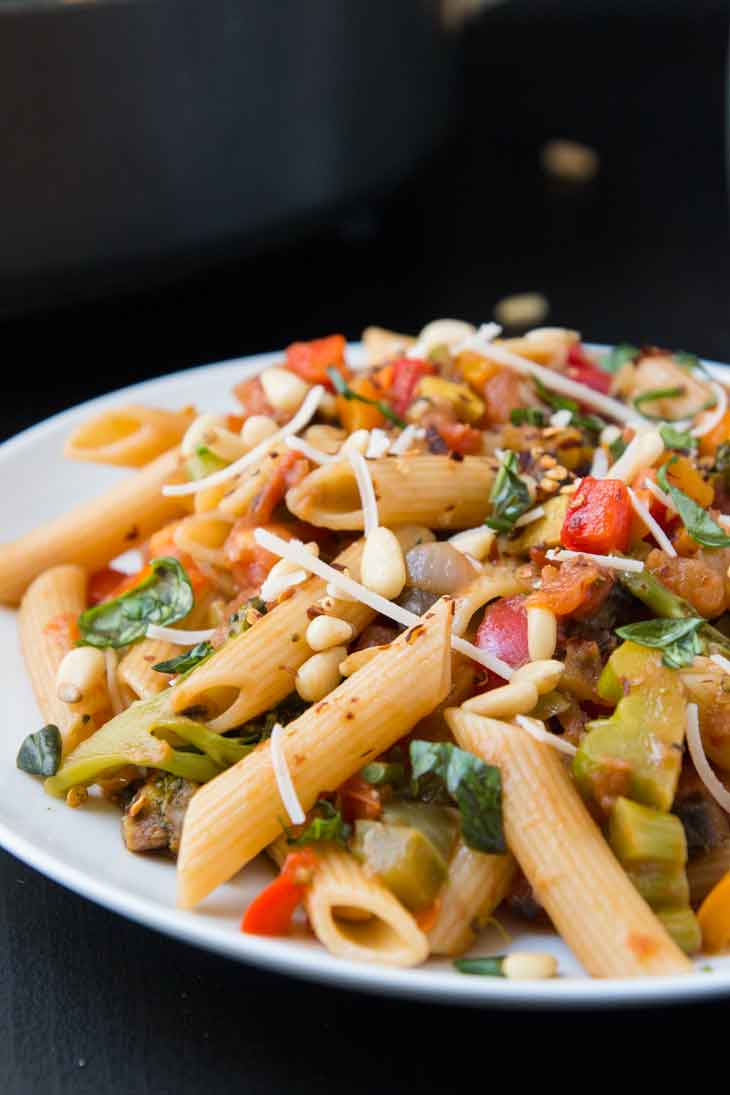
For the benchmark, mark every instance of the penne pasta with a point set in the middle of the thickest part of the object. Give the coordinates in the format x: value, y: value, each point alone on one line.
x: 96, y: 531
x: 382, y: 345
x: 47, y: 625
x: 476, y: 885
x: 136, y: 672
x: 128, y: 436
x: 589, y: 898
x: 419, y: 489
x: 236, y: 815
x: 354, y: 915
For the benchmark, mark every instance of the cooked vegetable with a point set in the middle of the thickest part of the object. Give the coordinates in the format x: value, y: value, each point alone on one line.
x: 438, y: 568
x: 40, y: 753
x: 313, y: 360
x: 503, y: 631
x: 327, y: 824
x: 545, y: 532
x: 153, y: 818
x: 204, y: 462
x: 404, y: 859
x: 652, y: 395
x: 598, y: 519
x: 222, y: 750
x: 683, y: 926
x: 510, y: 496
x: 641, y: 835
x: 646, y: 587
x: 677, y: 439
x: 590, y: 422
x: 349, y: 393
x: 439, y: 823
x: 475, y: 786
x: 527, y: 416
x: 271, y: 911
x: 163, y: 599
x: 695, y: 519
x: 467, y: 406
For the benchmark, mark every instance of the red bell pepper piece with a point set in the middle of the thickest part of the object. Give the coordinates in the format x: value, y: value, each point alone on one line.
x: 271, y: 912
x: 503, y: 632
x: 599, y: 517
x: 311, y: 360
x: 584, y: 369
x: 407, y: 373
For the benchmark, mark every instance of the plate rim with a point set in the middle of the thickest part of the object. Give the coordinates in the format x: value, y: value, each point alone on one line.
x: 310, y: 963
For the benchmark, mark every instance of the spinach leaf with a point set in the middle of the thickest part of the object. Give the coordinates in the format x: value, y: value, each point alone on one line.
x: 327, y: 825
x: 40, y: 753
x: 696, y: 520
x: 619, y: 356
x: 510, y: 496
x: 185, y: 661
x: 163, y: 598
x: 476, y: 788
x: 344, y: 389
x: 678, y: 639
x: 677, y: 439
x: 530, y: 416
x: 486, y: 967
x: 656, y: 393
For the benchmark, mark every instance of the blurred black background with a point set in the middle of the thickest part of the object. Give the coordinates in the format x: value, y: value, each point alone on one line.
x: 89, y: 1002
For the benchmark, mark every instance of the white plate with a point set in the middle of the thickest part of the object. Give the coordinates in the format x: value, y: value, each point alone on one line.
x: 83, y: 849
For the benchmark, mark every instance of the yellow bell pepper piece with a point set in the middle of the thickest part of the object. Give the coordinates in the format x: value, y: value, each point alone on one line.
x: 468, y: 407
x: 714, y: 916
x: 355, y: 415
x: 684, y: 475
x: 475, y: 369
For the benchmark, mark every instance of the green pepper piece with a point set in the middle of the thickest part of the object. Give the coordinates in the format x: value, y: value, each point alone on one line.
x: 648, y: 589
x: 641, y: 835
x: 683, y: 927
x: 223, y: 751
x: 403, y: 859
x: 661, y: 887
x: 440, y: 824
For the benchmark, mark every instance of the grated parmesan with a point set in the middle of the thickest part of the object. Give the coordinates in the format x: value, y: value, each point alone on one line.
x: 298, y: 444
x: 716, y: 414
x: 536, y: 729
x: 723, y: 662
x: 599, y: 465
x: 378, y: 444
x: 364, y: 482
x: 643, y: 451
x: 704, y: 770
x: 291, y: 802
x: 404, y: 441
x: 611, y: 562
x: 659, y: 494
x: 654, y: 527
x: 531, y: 515
x: 561, y: 419
x: 178, y: 636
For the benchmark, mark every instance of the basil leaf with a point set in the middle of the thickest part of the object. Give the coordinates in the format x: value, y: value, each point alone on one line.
x: 657, y: 393
x: 476, y: 788
x: 677, y: 439
x: 185, y: 661
x: 40, y: 753
x: 240, y: 622
x: 344, y: 389
x: 380, y: 772
x: 328, y: 825
x: 617, y: 448
x: 589, y: 422
x: 530, y: 416
x: 677, y: 638
x: 510, y: 497
x: 695, y: 519
x: 485, y: 967
x: 619, y: 356
x: 163, y: 598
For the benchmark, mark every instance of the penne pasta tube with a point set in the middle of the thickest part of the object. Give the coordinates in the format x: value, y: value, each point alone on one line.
x: 47, y: 626
x: 237, y: 814
x: 589, y: 898
x: 135, y: 669
x: 128, y: 436
x: 420, y: 489
x: 354, y: 915
x: 96, y: 531
x: 476, y: 885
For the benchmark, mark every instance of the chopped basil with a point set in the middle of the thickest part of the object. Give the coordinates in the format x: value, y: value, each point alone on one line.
x: 240, y: 622
x: 40, y: 753
x: 187, y: 660
x: 485, y: 967
x: 696, y: 520
x: 510, y: 496
x: 380, y: 772
x: 617, y: 448
x: 677, y: 439
x: 657, y: 393
x: 619, y: 356
x: 527, y: 416
x: 260, y: 727
x: 678, y: 639
x: 163, y: 598
x: 327, y: 825
x: 590, y: 422
x: 344, y: 389
x: 476, y: 788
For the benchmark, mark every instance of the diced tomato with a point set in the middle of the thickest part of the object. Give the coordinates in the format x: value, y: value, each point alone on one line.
x: 503, y: 631
x: 271, y: 912
x: 577, y: 588
x: 598, y: 519
x: 407, y: 373
x: 311, y: 360
x: 289, y: 469
x: 502, y: 394
x: 359, y: 799
x: 457, y: 435
x: 103, y: 585
x: 250, y: 394
x: 586, y: 371
x: 251, y: 562
x: 234, y: 422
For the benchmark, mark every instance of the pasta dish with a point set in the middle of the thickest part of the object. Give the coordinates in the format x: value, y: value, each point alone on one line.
x: 443, y: 628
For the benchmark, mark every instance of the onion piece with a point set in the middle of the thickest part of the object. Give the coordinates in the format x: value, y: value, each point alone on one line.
x: 715, y: 786
x: 291, y: 802
x: 438, y: 568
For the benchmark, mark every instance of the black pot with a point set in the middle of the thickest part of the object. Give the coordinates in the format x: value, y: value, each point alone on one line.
x: 143, y: 133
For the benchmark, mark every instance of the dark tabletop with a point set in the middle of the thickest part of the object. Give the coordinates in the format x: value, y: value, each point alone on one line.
x: 91, y: 1002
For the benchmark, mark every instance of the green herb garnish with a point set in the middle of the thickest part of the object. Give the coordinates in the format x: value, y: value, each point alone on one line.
x: 163, y: 599
x: 485, y: 967
x: 678, y: 639
x: 619, y: 356
x: 527, y: 416
x: 695, y: 519
x: 617, y: 448
x: 40, y: 753
x: 476, y: 788
x: 677, y: 439
x: 656, y: 393
x: 344, y: 389
x: 510, y: 496
x: 380, y: 772
x: 590, y: 422
x: 187, y: 660
x: 327, y: 825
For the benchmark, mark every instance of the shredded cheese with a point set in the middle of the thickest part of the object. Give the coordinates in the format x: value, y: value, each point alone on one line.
x: 367, y: 491
x: 298, y: 444
x: 599, y: 464
x: 531, y: 515
x: 404, y: 441
x: 659, y: 494
x: 276, y: 584
x: 654, y: 527
x: 642, y: 452
x: 378, y: 444
x: 296, y: 553
x: 292, y: 805
x: 723, y: 519
x: 723, y: 662
x: 536, y: 729
x: 561, y: 419
x: 611, y: 562
x: 716, y: 414
x: 704, y: 770
x: 179, y: 637
x: 477, y: 341
x: 301, y: 419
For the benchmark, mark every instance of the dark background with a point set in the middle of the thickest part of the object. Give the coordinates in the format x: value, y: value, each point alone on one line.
x: 89, y: 1002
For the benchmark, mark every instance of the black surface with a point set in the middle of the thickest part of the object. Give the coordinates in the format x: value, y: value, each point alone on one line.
x: 91, y: 1003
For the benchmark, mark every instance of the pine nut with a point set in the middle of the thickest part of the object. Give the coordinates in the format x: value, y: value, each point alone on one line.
x: 320, y: 674
x: 476, y: 542
x: 515, y: 698
x: 544, y: 674
x: 359, y: 658
x: 82, y: 670
x: 529, y: 967
x: 521, y: 309
x: 200, y: 433
x: 256, y: 429
x: 542, y: 633
x: 284, y: 390
x: 327, y: 631
x: 383, y: 568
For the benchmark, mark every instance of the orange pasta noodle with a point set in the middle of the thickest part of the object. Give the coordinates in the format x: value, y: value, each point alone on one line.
x: 128, y: 436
